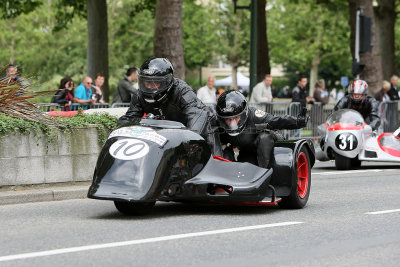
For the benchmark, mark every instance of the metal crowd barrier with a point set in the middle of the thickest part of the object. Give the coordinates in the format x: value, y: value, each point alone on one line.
x: 389, y: 114
x: 47, y: 107
x: 120, y: 105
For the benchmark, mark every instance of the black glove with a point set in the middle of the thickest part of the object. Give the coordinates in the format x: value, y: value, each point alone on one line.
x: 302, y: 118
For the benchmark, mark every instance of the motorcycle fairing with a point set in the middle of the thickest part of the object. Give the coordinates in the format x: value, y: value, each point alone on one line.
x: 242, y: 181
x: 390, y: 144
x: 143, y: 179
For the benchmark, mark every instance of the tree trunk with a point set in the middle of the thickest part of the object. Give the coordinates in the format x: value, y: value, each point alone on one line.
x: 372, y: 72
x: 234, y: 77
x: 314, y: 73
x: 12, y: 43
x: 168, y: 34
x: 234, y: 57
x: 263, y: 66
x: 385, y: 15
x: 97, y: 50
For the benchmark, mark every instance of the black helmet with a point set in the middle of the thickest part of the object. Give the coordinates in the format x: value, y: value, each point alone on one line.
x: 358, y: 91
x: 232, y: 111
x: 155, y: 79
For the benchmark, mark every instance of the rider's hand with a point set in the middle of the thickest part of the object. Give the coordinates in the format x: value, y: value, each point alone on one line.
x: 374, y: 133
x: 302, y: 118
x: 302, y: 121
x: 303, y: 112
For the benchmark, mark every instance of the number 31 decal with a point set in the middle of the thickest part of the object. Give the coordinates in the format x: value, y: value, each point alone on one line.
x: 128, y: 149
x: 346, y: 141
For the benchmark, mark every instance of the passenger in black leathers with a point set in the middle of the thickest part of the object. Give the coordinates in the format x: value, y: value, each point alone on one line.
x: 250, y: 129
x: 358, y: 100
x: 168, y: 97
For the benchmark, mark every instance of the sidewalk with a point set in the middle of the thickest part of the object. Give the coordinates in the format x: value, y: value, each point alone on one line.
x: 43, y: 192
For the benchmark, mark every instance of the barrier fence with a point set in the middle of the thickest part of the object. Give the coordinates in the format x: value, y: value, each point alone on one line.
x: 389, y: 113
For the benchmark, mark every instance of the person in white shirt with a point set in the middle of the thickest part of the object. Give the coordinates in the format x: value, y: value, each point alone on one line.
x: 207, y: 94
x: 262, y: 91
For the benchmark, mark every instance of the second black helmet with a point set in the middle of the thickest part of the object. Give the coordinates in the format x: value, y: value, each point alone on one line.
x: 232, y: 111
x: 155, y: 79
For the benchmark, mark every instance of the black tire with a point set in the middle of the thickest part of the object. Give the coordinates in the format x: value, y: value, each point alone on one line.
x: 301, y: 182
x: 356, y: 163
x: 342, y: 163
x: 134, y: 208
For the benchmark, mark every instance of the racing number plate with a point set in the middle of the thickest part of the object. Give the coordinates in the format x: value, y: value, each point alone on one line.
x: 346, y: 141
x: 140, y: 133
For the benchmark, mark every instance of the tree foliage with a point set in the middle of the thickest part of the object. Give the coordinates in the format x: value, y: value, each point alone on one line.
x: 13, y: 8
x: 301, y: 30
x: 49, y: 38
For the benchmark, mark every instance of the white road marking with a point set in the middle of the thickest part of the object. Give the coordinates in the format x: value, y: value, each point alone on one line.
x: 345, y: 172
x: 382, y: 212
x: 140, y: 241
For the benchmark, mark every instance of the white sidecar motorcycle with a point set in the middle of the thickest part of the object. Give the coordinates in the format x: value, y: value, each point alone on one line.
x: 347, y: 139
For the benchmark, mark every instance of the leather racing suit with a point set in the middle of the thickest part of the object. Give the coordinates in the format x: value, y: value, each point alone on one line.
x: 368, y: 108
x: 181, y: 105
x: 255, y: 142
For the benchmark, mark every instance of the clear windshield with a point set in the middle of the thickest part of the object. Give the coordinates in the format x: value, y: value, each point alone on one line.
x: 345, y: 116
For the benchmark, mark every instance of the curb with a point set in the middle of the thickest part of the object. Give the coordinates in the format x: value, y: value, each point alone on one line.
x: 41, y: 195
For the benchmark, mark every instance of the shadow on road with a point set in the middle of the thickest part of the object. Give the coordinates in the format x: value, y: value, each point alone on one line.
x: 371, y: 165
x: 162, y: 209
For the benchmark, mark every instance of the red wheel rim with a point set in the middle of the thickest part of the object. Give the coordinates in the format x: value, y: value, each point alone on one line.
x: 302, y: 174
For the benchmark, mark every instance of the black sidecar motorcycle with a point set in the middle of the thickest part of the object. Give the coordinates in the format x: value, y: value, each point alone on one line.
x: 160, y: 160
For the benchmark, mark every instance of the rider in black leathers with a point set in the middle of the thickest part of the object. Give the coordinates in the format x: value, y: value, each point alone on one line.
x: 357, y: 99
x: 169, y: 98
x: 248, y: 128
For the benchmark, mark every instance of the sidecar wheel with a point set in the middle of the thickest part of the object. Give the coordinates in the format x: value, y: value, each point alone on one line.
x: 301, y: 190
x: 134, y: 208
x: 342, y: 163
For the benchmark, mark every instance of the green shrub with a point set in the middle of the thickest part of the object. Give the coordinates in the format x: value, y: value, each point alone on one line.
x: 103, y: 122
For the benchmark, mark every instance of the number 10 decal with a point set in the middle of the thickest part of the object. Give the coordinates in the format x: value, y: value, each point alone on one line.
x: 129, y: 149
x: 346, y: 141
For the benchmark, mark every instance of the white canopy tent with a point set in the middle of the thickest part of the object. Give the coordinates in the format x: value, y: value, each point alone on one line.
x: 242, y: 81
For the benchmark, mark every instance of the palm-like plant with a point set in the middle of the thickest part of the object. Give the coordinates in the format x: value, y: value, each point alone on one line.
x: 14, y: 100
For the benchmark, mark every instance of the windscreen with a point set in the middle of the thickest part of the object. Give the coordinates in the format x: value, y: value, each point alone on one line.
x: 345, y: 116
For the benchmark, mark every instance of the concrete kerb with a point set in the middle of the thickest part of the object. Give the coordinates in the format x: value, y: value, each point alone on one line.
x: 42, y: 193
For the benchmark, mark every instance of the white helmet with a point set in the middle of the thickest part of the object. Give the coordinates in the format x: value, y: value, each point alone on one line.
x: 358, y: 91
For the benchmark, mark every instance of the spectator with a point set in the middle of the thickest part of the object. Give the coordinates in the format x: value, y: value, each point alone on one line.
x: 394, y: 91
x: 340, y: 94
x: 207, y: 94
x: 98, y: 83
x: 219, y: 92
x: 320, y: 94
x: 284, y: 92
x: 83, y: 93
x: 11, y: 74
x: 125, y: 89
x: 382, y: 95
x: 299, y: 93
x: 262, y: 92
x: 65, y: 94
x: 333, y: 93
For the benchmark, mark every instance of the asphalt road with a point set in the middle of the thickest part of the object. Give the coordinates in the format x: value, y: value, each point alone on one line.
x: 352, y: 219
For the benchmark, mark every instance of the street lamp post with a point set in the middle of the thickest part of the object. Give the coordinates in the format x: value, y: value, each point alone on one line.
x: 253, y: 40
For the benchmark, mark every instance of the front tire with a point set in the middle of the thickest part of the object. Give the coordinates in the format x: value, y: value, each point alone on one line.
x: 301, y: 189
x: 356, y: 163
x: 342, y: 163
x: 134, y: 208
